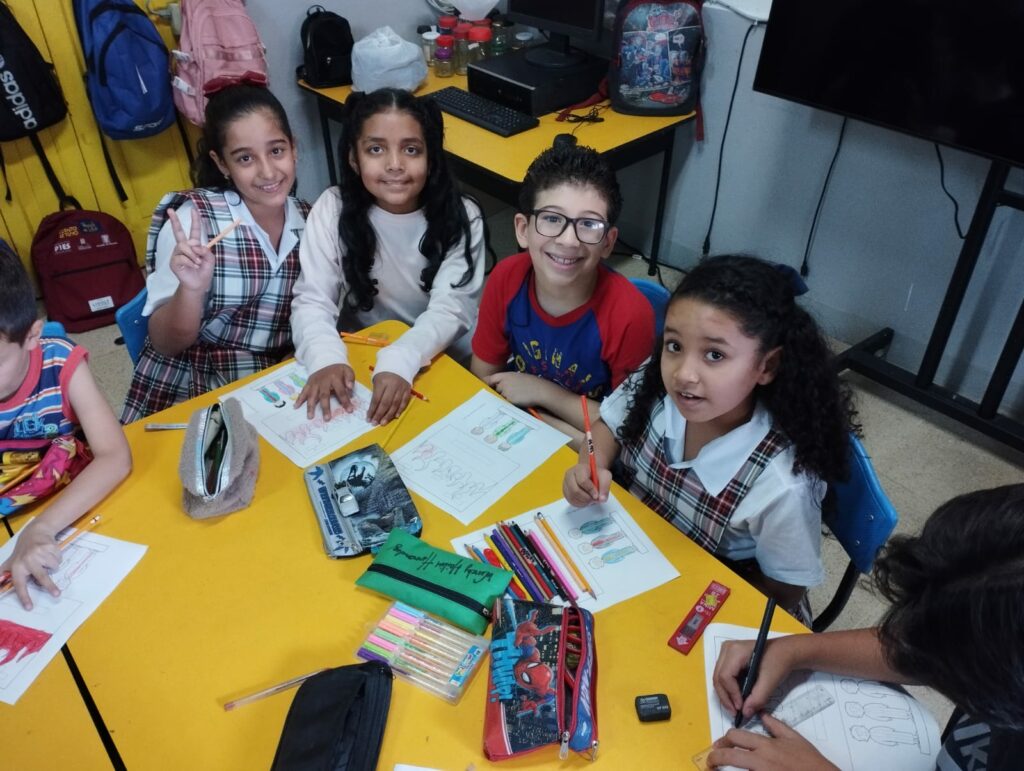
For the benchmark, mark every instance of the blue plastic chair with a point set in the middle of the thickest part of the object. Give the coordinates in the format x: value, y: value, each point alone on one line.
x: 133, y: 325
x: 657, y: 296
x: 862, y: 519
x: 53, y: 329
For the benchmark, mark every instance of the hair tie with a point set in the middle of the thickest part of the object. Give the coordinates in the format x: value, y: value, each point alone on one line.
x: 247, y: 78
x: 792, y: 275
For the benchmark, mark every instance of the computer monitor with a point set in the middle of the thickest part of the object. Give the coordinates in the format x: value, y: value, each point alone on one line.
x: 561, y: 19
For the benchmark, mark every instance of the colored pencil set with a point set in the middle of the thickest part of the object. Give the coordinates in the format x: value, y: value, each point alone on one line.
x: 423, y: 650
x: 530, y: 557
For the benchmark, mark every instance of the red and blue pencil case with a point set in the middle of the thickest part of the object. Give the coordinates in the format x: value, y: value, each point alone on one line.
x: 542, y: 685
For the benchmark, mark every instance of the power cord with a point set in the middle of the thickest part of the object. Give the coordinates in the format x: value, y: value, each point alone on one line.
x: 721, y: 147
x: 942, y: 181
x: 804, y: 268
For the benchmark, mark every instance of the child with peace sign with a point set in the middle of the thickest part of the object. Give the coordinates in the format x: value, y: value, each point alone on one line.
x: 222, y: 257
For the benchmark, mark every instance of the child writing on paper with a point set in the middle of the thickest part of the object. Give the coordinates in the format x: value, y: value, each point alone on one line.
x: 395, y: 240
x: 220, y: 313
x: 47, y: 391
x: 554, y: 321
x: 731, y: 427
x: 956, y: 624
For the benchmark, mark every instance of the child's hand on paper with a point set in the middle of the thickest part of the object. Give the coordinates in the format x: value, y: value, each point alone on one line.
x: 578, y: 488
x: 337, y: 379
x: 391, y: 394
x: 521, y: 389
x: 784, y: 750
x: 730, y: 670
x: 191, y: 262
x: 35, y: 554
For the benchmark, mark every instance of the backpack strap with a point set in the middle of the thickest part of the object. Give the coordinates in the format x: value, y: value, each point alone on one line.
x: 63, y: 199
x: 7, y: 182
x: 118, y: 187
x: 184, y: 139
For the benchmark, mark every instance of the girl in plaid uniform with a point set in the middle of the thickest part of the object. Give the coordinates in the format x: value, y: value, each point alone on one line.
x: 395, y: 240
x: 731, y: 427
x: 219, y: 313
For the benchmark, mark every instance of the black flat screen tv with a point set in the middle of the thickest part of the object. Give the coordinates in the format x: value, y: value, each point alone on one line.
x: 945, y: 71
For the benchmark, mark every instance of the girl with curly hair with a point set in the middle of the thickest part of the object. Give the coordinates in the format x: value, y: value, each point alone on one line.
x: 395, y: 240
x: 732, y: 428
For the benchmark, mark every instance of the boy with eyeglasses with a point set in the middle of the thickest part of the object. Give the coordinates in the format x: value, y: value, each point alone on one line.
x: 554, y: 321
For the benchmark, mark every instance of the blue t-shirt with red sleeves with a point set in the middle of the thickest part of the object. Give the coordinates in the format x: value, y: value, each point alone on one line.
x: 589, y: 350
x: 40, y: 409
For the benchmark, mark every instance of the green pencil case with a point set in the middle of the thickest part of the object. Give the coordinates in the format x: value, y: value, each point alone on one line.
x: 458, y: 589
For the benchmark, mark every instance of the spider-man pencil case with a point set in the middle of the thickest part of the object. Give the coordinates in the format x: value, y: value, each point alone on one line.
x: 542, y: 686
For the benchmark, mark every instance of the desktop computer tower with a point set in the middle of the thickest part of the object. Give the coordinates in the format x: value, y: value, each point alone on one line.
x: 536, y: 90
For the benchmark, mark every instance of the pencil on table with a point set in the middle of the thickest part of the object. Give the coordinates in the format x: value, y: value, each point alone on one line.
x: 364, y: 339
x: 270, y: 691
x: 504, y: 563
x: 226, y: 231
x: 542, y: 521
x: 564, y: 585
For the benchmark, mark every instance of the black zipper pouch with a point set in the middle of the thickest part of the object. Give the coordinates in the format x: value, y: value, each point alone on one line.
x: 336, y: 721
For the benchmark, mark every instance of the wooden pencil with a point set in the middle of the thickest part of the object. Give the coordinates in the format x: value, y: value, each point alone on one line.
x: 570, y: 563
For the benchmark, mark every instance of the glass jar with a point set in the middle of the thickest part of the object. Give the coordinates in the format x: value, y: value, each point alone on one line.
x: 444, y: 67
x: 461, y: 50
x: 480, y: 37
x: 446, y: 24
x: 522, y: 40
x: 499, y: 41
x: 429, y: 39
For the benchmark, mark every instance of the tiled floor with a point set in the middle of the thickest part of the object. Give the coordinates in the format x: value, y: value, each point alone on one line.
x: 922, y: 458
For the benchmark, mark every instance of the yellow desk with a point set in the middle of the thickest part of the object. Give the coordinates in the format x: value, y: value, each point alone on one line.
x: 498, y: 164
x: 220, y: 608
x: 50, y: 726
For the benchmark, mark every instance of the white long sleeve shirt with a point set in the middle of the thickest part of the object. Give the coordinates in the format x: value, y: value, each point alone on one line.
x: 439, y: 319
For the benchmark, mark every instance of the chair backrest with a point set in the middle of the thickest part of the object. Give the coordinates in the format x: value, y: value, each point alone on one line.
x: 657, y: 296
x: 53, y: 329
x: 133, y: 325
x: 862, y: 518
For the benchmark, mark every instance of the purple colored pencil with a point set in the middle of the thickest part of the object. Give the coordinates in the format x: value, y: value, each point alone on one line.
x: 513, y: 560
x: 565, y: 587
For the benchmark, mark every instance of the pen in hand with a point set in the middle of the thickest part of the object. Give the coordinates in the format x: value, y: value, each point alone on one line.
x: 755, y: 659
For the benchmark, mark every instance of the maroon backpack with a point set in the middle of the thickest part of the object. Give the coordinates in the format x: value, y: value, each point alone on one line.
x: 86, y: 265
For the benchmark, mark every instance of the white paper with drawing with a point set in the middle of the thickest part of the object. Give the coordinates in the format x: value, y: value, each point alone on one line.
x: 614, y: 555
x: 90, y: 569
x: 475, y: 454
x: 868, y: 726
x: 269, y: 404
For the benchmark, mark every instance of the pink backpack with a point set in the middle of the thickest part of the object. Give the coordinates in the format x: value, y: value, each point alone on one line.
x: 219, y: 46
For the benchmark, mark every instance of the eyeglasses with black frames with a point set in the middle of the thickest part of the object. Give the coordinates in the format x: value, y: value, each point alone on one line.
x: 589, y: 230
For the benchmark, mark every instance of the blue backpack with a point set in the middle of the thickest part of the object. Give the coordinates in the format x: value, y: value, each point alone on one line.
x: 127, y: 68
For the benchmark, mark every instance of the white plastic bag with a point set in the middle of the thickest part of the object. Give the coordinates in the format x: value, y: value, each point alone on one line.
x: 476, y: 9
x: 383, y: 60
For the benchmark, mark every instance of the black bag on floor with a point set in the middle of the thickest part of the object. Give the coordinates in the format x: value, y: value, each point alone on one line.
x: 336, y: 721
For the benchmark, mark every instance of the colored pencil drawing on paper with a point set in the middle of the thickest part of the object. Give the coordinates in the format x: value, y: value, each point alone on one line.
x: 624, y: 567
x: 474, y: 455
x: 269, y: 405
x: 91, y: 568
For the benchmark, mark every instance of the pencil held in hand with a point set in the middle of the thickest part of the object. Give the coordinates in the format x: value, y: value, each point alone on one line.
x: 590, y: 442
x: 755, y: 658
x: 225, y: 232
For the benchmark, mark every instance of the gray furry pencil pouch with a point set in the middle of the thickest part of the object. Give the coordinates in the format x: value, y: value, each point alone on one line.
x: 220, y: 460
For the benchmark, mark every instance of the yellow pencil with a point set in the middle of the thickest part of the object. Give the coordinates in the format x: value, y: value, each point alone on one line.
x: 216, y: 239
x: 6, y: 585
x: 565, y: 555
x: 364, y: 339
x: 515, y: 578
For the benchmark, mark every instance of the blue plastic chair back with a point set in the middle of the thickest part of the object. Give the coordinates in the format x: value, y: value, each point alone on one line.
x: 133, y: 325
x: 657, y: 296
x: 862, y: 518
x: 53, y: 329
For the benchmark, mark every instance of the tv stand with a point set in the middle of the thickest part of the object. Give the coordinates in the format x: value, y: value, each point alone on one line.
x: 920, y: 386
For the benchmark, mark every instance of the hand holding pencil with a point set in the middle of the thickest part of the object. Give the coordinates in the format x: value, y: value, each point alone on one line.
x: 587, y: 482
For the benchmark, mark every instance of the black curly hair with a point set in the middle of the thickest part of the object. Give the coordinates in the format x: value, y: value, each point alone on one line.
x: 442, y: 203
x: 956, y: 622
x: 570, y: 165
x: 806, y: 399
x: 222, y: 109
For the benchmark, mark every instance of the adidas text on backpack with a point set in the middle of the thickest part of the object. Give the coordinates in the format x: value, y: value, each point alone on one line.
x: 658, y: 57
x: 127, y: 68
x: 219, y: 45
x: 326, y: 49
x: 87, y: 267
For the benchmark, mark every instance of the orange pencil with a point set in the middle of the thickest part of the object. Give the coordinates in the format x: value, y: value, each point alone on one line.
x: 590, y: 442
x: 542, y: 521
x: 213, y: 241
x: 5, y: 577
x: 364, y: 339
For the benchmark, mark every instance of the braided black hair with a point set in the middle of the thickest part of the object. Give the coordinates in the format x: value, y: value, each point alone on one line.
x: 806, y: 399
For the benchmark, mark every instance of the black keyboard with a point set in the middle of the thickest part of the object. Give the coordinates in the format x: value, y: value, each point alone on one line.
x: 483, y: 112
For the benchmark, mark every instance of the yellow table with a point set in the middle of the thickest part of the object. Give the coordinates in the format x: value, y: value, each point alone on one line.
x: 220, y: 608
x: 498, y: 164
x: 50, y: 726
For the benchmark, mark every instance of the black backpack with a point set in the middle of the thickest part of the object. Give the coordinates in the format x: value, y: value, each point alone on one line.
x: 658, y: 58
x: 33, y: 99
x: 326, y: 49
